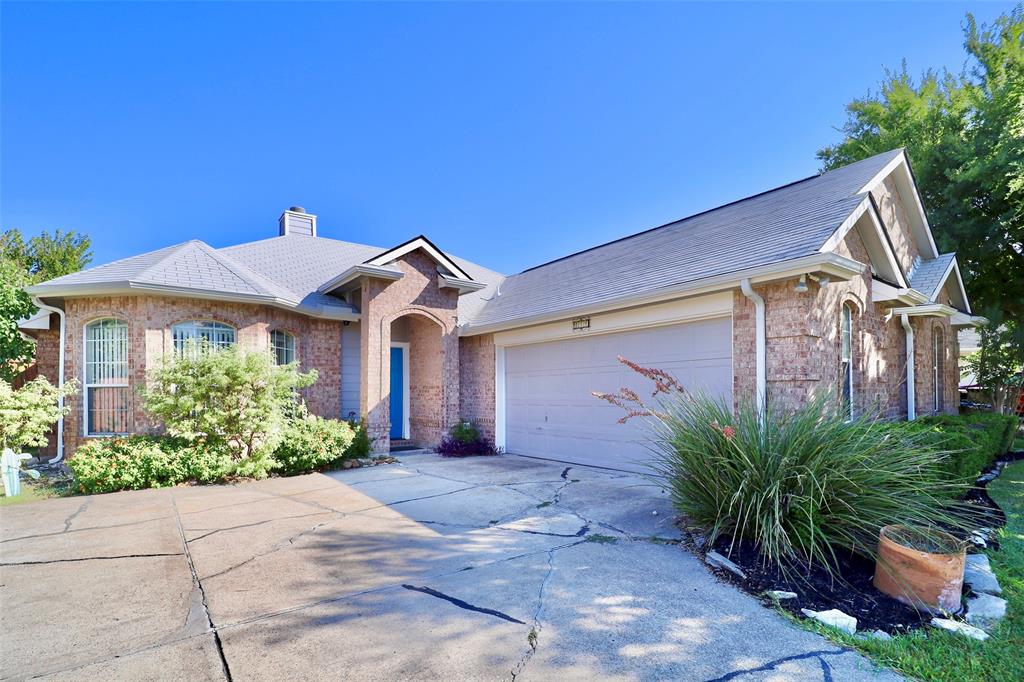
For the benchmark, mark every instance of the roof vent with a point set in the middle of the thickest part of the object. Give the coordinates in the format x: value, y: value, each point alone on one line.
x: 296, y: 221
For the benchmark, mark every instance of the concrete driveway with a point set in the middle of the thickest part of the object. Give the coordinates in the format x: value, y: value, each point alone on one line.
x: 476, y: 569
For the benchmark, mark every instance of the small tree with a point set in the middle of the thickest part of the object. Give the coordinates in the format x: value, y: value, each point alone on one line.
x: 27, y: 414
x: 998, y: 365
x: 230, y: 397
x: 22, y: 263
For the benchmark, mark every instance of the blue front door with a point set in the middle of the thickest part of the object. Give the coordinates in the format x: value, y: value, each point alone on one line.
x: 397, y: 392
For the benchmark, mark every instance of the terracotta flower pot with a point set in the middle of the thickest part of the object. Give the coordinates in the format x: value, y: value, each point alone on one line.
x: 922, y: 568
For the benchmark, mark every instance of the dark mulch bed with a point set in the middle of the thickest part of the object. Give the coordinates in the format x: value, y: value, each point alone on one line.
x: 852, y: 592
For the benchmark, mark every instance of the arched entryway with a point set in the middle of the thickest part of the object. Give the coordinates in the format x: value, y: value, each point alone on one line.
x: 416, y: 402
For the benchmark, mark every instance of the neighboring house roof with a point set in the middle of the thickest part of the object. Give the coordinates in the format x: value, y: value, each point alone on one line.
x: 786, y: 223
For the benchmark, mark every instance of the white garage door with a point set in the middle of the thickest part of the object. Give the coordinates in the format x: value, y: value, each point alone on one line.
x: 549, y: 409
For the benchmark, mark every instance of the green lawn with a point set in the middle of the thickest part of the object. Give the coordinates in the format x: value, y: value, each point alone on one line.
x: 938, y: 655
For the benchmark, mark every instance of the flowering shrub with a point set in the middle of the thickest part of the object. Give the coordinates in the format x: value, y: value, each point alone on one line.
x: 464, y: 440
x: 801, y: 485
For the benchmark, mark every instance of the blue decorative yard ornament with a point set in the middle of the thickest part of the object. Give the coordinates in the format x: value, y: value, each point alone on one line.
x: 10, y: 464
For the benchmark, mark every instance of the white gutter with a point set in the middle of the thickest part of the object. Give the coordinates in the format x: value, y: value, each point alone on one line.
x: 60, y: 377
x: 761, y: 354
x: 911, y: 407
x: 835, y: 266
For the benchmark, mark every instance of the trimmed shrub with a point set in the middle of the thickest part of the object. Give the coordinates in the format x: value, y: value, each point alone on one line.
x: 106, y: 465
x: 973, y: 441
x: 240, y: 400
x: 361, y: 446
x: 802, y: 486
x: 465, y: 440
x: 312, y: 443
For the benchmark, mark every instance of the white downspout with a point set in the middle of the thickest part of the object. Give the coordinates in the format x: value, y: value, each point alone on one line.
x: 911, y: 407
x: 60, y: 377
x: 760, y: 350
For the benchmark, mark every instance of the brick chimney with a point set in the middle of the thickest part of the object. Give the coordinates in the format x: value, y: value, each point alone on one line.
x: 296, y: 221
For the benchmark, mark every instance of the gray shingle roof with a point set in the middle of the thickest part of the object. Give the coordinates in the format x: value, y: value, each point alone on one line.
x: 785, y: 223
x: 928, y: 275
x: 782, y: 224
x: 290, y: 268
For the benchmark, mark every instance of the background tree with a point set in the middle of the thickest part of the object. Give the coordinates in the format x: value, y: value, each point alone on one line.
x: 22, y: 263
x: 964, y: 135
x: 997, y: 366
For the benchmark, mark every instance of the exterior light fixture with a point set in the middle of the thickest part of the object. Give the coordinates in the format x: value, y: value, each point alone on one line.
x: 801, y: 286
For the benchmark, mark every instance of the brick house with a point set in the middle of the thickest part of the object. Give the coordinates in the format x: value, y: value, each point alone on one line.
x: 830, y: 283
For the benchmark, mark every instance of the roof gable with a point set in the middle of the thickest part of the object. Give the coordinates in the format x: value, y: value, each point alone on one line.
x: 930, y: 277
x: 899, y: 168
x: 428, y: 247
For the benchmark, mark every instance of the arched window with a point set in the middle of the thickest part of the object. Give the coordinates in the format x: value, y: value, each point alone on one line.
x: 213, y: 334
x: 107, y: 393
x: 846, y: 358
x: 937, y: 346
x: 282, y: 344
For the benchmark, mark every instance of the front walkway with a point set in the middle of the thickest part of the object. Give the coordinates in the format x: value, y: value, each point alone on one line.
x: 477, y: 569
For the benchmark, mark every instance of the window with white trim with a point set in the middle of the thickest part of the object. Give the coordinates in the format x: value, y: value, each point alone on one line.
x: 107, y: 392
x: 846, y: 358
x: 202, y: 332
x: 282, y: 344
x: 937, y: 346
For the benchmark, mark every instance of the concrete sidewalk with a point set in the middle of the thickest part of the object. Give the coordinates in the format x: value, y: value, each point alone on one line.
x: 475, y: 569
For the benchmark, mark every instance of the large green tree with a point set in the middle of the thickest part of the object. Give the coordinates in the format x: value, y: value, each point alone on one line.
x: 964, y: 134
x: 22, y: 263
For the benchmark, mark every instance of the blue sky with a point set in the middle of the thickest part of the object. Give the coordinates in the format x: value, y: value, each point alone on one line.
x: 510, y: 134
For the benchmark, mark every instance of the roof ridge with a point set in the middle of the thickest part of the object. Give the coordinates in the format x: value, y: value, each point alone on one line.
x: 173, y: 250
x: 246, y: 274
x: 301, y: 236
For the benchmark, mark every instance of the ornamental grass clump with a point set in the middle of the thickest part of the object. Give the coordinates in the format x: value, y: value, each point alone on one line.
x: 804, y: 486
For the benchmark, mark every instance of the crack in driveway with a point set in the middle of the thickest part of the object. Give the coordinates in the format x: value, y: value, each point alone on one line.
x: 463, y: 604
x: 826, y: 669
x: 87, y: 558
x: 200, y: 605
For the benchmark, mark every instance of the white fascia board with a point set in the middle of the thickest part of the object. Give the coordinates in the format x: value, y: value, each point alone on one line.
x: 901, y: 163
x: 420, y: 243
x: 357, y: 271
x: 960, y: 319
x: 926, y: 310
x: 835, y: 266
x: 463, y: 286
x: 837, y: 237
x: 882, y: 292
x: 866, y: 207
x: 129, y: 288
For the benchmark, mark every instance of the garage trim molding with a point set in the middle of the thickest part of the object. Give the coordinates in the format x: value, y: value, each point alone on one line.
x: 658, y: 315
